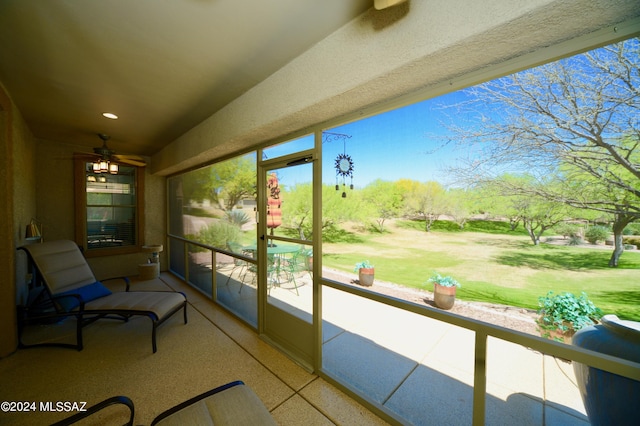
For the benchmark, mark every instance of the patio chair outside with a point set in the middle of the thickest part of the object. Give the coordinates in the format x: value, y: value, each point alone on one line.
x: 241, y: 265
x: 298, y: 263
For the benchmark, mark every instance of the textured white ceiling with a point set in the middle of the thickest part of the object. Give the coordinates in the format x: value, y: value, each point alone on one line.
x: 162, y: 65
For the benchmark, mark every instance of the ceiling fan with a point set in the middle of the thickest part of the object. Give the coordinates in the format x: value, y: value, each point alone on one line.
x: 105, y: 164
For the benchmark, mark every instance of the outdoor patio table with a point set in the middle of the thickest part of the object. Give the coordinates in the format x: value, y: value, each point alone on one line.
x: 278, y: 255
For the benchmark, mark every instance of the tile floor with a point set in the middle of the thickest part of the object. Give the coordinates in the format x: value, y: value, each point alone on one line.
x: 421, y: 369
x: 402, y: 361
x: 212, y: 349
x: 418, y: 369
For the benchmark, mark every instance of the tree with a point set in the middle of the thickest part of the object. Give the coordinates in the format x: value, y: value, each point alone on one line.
x: 521, y: 204
x: 459, y: 206
x: 572, y: 118
x: 335, y: 209
x: 228, y: 181
x: 194, y: 185
x: 297, y: 209
x: 424, y: 199
x: 500, y: 203
x: 384, y: 199
x: 233, y: 180
x: 540, y: 215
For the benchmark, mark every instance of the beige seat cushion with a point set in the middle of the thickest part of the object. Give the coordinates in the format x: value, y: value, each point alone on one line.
x: 158, y: 302
x: 237, y: 406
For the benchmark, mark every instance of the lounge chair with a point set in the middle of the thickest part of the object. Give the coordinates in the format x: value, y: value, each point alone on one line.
x: 232, y: 404
x: 65, y: 286
x: 121, y: 400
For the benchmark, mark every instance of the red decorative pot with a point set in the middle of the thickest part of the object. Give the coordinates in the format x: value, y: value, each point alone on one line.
x: 444, y: 297
x: 365, y: 276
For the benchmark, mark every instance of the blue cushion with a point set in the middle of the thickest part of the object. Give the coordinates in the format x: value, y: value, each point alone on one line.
x: 87, y: 293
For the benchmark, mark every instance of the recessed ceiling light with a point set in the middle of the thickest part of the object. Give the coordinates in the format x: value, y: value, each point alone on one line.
x: 110, y: 115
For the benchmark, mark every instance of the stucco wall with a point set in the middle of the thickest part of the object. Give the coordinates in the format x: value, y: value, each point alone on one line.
x: 37, y: 178
x: 17, y: 174
x: 55, y: 194
x: 385, y: 54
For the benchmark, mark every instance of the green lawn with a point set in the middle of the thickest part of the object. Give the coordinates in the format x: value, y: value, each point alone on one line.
x: 494, y: 264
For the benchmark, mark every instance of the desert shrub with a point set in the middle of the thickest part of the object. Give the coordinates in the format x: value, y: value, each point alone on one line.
x: 568, y: 229
x: 237, y: 217
x: 597, y: 233
x: 219, y: 234
x: 192, y: 248
x: 632, y: 229
x: 633, y: 240
x: 575, y: 240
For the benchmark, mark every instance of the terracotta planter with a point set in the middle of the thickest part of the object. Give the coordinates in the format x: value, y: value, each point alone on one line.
x: 365, y: 276
x: 444, y: 297
x: 549, y: 331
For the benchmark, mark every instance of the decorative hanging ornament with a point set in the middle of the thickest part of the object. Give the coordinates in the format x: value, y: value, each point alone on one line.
x: 274, y: 203
x: 344, y: 169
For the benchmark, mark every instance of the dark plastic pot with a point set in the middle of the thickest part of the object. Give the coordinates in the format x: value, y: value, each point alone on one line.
x: 609, y: 399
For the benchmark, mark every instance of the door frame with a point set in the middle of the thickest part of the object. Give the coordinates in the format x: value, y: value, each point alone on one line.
x: 305, y: 350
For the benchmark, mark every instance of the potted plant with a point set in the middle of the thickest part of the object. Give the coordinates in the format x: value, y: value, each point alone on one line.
x: 365, y: 272
x: 610, y: 399
x: 444, y: 290
x: 561, y: 315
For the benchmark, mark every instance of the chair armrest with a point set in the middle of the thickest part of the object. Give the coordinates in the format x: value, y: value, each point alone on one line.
x: 126, y: 280
x: 99, y: 406
x: 79, y: 307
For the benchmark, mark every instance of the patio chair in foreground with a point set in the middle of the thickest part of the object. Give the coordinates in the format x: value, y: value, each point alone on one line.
x: 232, y: 404
x: 69, y: 289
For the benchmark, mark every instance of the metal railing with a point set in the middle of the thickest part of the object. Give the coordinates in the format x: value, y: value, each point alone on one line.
x: 485, y: 330
x: 482, y: 332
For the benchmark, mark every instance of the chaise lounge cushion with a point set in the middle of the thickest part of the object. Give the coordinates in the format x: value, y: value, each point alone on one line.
x: 159, y: 303
x: 237, y: 405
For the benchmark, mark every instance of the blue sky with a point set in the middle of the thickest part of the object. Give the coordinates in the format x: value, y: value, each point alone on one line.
x: 410, y: 142
x: 403, y: 143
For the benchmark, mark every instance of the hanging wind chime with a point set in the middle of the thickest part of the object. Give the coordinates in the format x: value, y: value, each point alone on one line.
x: 344, y: 169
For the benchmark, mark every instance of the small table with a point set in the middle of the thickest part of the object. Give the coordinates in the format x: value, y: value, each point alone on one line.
x: 151, y: 269
x: 277, y: 257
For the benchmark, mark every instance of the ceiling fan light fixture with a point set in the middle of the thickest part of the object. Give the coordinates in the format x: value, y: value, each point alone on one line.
x: 107, y: 160
x: 110, y: 115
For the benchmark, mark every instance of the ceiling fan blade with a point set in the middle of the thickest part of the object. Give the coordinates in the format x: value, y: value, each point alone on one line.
x: 130, y: 159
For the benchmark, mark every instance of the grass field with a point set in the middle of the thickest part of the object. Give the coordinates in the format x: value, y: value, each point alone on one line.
x: 493, y: 264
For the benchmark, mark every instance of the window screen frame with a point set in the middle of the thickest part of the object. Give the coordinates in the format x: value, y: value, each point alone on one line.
x: 81, y: 222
